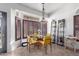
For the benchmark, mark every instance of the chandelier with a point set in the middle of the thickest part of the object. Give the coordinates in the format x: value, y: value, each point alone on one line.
x: 43, y: 13
x: 43, y: 21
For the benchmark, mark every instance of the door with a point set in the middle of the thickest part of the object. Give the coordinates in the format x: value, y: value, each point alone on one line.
x: 3, y: 32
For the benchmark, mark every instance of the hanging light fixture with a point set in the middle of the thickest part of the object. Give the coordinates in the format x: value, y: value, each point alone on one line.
x: 43, y: 12
x: 43, y: 21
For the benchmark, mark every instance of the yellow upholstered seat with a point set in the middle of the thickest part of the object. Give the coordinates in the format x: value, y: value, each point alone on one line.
x: 46, y: 40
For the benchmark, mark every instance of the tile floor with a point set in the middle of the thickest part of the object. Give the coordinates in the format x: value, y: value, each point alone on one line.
x: 56, y: 51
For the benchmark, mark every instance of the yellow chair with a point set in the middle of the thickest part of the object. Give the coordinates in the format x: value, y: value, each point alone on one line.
x: 31, y: 42
x: 46, y: 42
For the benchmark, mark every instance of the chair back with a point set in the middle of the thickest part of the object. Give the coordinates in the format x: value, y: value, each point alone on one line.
x: 47, y: 39
x: 31, y: 40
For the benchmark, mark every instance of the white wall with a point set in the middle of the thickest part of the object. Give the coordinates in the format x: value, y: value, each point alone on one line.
x: 66, y: 12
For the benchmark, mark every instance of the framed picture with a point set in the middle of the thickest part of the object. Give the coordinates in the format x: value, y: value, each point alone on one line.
x: 17, y: 28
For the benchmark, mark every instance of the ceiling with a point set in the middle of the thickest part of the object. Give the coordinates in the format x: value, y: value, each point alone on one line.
x: 49, y: 7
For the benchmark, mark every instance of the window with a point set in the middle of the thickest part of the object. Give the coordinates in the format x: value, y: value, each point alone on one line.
x: 17, y: 28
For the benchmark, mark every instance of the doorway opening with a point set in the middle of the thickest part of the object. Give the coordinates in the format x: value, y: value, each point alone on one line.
x: 3, y: 32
